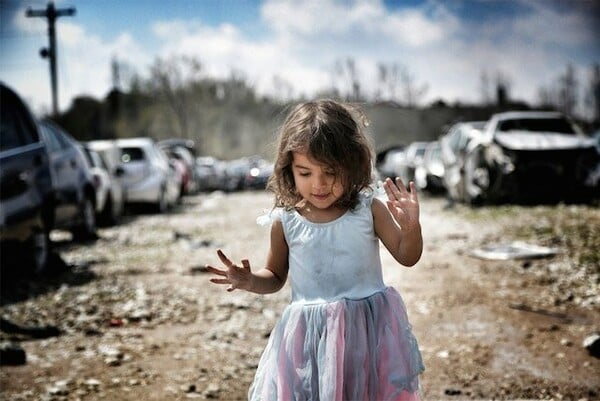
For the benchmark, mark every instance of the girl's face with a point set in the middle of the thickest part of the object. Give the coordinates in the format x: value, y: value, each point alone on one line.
x: 316, y: 182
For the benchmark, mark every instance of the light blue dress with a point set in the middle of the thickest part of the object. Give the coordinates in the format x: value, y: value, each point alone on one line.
x: 345, y: 335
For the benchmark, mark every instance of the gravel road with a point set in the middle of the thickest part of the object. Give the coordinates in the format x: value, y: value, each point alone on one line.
x: 138, y: 319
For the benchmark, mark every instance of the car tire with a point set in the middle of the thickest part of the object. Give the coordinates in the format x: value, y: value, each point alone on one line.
x: 87, y: 228
x: 38, y: 249
x: 111, y: 214
x: 162, y: 202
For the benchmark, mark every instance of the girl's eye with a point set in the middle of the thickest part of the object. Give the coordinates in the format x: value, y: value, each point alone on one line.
x: 304, y: 174
x: 331, y: 173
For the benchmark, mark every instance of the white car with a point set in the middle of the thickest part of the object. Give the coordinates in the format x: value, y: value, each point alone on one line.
x: 148, y: 176
x: 110, y: 194
x: 525, y: 155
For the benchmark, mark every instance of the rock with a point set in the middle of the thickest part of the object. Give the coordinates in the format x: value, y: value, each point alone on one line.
x: 592, y: 344
x: 452, y: 391
x: 12, y: 354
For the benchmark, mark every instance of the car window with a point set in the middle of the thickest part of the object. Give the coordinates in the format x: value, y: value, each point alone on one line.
x: 64, y: 139
x: 89, y: 158
x: 51, y: 140
x: 15, y: 127
x: 130, y: 154
x: 537, y: 125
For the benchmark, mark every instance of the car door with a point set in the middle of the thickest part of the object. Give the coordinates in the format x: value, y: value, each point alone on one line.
x: 64, y: 168
x: 24, y: 175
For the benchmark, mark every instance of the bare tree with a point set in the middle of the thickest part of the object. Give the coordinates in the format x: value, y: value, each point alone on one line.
x: 503, y: 86
x: 346, y: 74
x: 592, y: 96
x: 412, y: 92
x: 170, y: 80
x: 568, y: 87
x: 485, y: 88
x: 388, y: 80
x: 283, y: 89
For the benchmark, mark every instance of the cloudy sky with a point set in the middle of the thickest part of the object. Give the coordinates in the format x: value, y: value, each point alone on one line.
x: 445, y: 45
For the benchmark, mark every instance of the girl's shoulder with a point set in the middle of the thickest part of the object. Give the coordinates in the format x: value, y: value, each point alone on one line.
x: 366, y: 196
x: 268, y: 217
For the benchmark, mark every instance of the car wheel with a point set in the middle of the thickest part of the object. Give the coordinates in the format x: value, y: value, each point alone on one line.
x: 87, y: 228
x: 161, y: 204
x: 112, y: 213
x: 38, y: 250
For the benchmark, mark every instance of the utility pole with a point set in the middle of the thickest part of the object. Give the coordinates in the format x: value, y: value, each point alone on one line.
x: 50, y: 52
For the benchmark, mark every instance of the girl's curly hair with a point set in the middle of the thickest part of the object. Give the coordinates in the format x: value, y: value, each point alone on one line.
x: 332, y: 133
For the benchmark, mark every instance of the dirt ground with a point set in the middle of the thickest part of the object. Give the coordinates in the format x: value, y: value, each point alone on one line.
x: 139, y: 320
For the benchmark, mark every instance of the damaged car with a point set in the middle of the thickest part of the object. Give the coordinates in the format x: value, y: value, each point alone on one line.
x: 528, y: 155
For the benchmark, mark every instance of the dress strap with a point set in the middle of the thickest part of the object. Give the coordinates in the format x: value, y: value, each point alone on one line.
x: 269, y: 217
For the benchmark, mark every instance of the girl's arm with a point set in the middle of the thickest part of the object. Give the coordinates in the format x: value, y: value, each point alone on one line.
x: 265, y: 281
x: 398, y: 225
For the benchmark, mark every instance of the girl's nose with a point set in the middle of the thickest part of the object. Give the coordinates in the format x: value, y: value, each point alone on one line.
x: 320, y: 181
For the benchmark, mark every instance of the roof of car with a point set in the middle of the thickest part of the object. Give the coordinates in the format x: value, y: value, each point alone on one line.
x: 140, y: 141
x: 101, y: 144
x: 509, y: 115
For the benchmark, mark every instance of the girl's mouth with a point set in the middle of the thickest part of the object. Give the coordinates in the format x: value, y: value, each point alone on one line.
x: 321, y: 196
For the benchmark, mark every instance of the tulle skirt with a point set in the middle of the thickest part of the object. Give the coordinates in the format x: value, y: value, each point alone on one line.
x: 344, y: 350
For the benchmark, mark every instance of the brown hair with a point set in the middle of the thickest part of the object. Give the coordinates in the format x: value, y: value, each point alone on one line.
x: 328, y: 132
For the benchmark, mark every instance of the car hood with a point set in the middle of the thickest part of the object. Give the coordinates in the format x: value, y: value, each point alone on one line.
x: 526, y: 140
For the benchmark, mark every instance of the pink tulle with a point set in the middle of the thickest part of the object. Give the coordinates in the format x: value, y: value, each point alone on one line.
x: 341, y: 351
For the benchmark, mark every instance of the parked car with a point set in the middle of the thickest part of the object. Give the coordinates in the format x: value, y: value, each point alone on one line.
x: 210, y: 173
x: 388, y: 161
x: 183, y: 168
x: 110, y: 195
x: 413, y: 157
x: 185, y: 151
x: 25, y: 186
x: 258, y: 175
x: 235, y: 174
x: 429, y: 175
x: 74, y: 195
x: 147, y: 174
x: 453, y: 148
x: 528, y: 155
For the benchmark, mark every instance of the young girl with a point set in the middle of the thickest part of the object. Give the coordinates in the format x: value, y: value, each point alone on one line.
x: 345, y: 335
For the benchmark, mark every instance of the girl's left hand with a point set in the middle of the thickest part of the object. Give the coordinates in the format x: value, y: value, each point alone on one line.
x: 403, y: 204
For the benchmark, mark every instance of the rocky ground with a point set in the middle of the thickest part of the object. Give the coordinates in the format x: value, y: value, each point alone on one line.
x: 132, y: 315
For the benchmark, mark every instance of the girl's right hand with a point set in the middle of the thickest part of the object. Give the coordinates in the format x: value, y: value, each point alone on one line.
x: 238, y: 277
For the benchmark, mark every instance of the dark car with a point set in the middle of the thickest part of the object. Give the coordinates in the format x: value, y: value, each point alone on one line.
x: 529, y: 155
x: 74, y: 195
x: 25, y: 186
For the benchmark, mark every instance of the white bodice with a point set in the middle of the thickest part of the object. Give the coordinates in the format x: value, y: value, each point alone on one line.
x: 334, y: 260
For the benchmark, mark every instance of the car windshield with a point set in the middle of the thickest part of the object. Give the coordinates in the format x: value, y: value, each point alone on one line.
x: 537, y: 125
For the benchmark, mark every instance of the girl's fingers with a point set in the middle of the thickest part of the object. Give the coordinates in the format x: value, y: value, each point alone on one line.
x: 224, y: 258
x: 413, y: 190
x: 215, y: 270
x: 400, y: 185
x: 387, y: 186
x: 246, y: 264
x: 220, y: 281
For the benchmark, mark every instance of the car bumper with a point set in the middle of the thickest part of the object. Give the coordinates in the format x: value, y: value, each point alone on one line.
x: 145, y: 191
